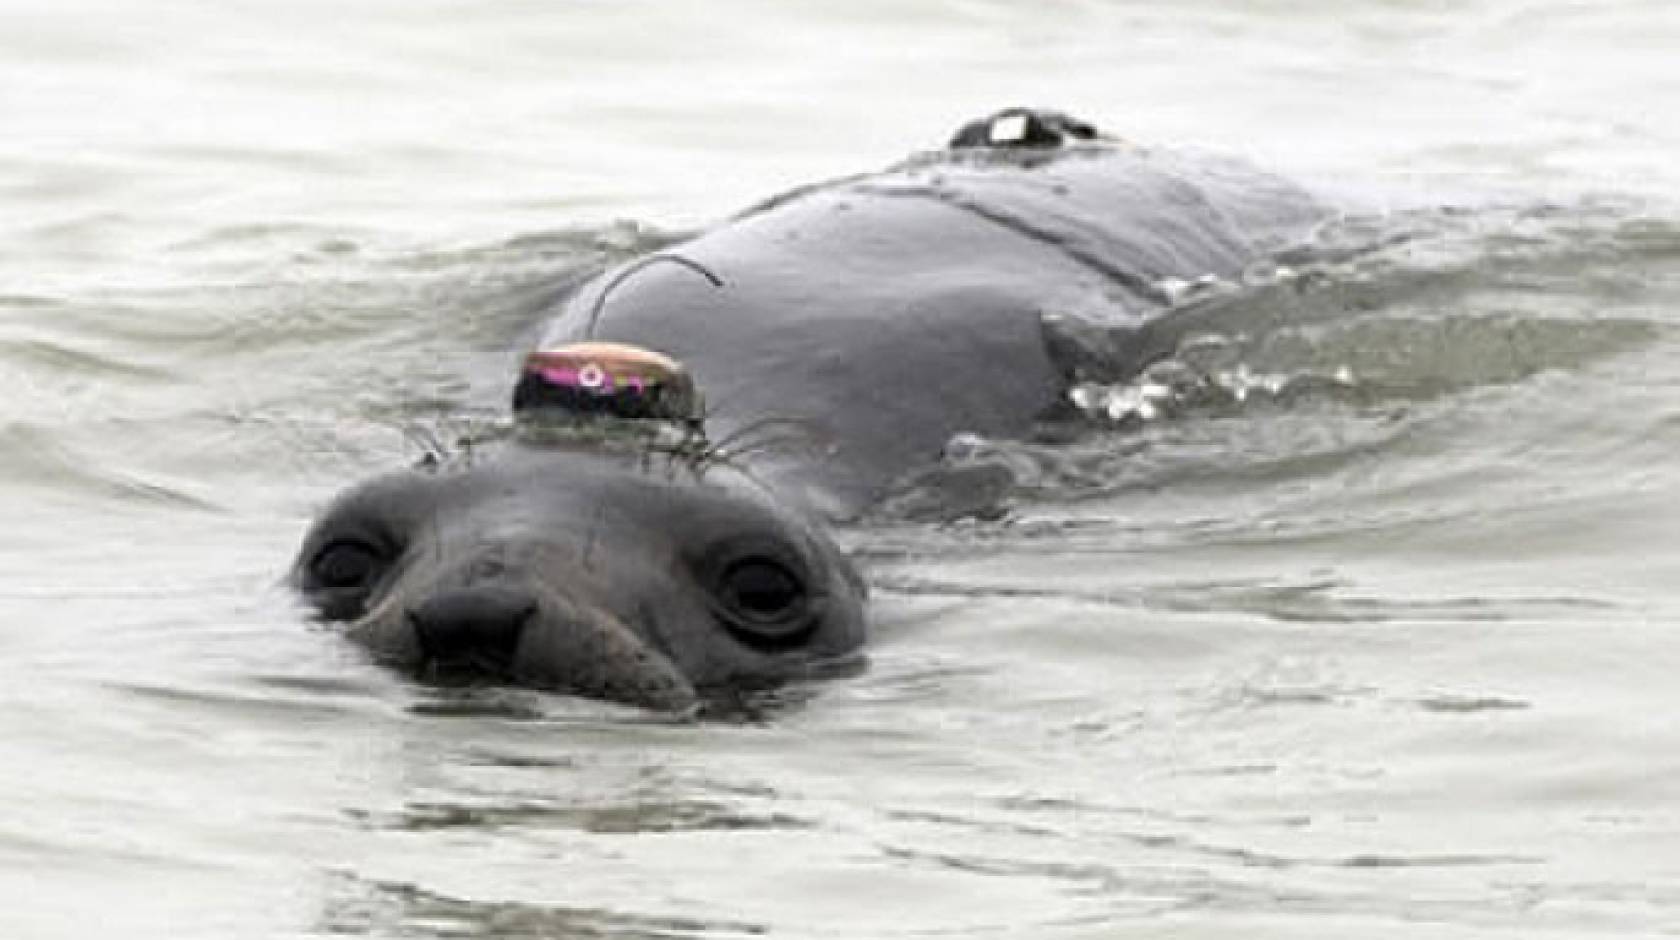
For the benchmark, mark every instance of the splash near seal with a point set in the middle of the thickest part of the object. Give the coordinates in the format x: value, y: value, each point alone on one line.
x: 602, y: 390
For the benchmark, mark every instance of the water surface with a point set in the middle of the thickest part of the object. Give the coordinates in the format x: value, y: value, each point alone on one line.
x: 1370, y: 637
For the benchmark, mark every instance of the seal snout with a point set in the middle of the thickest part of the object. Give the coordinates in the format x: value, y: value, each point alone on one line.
x: 477, y: 627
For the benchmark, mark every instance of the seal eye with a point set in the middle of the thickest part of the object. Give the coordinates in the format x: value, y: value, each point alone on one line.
x: 346, y: 565
x: 765, y: 601
x: 761, y: 588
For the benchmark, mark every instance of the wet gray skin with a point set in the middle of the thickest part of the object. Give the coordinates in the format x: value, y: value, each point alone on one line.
x: 878, y: 316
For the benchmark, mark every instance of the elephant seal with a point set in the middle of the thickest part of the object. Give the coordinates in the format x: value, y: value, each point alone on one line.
x: 879, y: 315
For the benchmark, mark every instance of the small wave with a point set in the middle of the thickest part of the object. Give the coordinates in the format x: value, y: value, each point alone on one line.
x: 69, y: 363
x: 1417, y: 304
x: 33, y: 455
x: 1322, y: 601
x: 362, y: 906
x: 1364, y: 361
x: 1333, y: 352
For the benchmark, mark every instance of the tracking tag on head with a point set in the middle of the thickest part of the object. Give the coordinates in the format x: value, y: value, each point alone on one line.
x: 596, y: 387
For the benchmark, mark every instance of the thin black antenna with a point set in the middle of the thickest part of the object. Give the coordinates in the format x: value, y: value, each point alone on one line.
x: 636, y: 266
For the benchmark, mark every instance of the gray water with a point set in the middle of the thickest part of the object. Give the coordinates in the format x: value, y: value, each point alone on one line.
x: 1374, y: 639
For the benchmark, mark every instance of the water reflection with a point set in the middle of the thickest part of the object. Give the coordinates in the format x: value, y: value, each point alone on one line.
x: 383, y: 908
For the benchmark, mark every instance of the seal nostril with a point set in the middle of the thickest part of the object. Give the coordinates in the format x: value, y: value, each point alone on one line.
x: 478, y: 627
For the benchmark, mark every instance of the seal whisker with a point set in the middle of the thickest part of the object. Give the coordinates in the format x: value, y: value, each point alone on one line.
x: 781, y: 428
x: 433, y: 452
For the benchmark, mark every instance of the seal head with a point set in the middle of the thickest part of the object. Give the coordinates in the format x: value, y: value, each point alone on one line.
x: 615, y: 574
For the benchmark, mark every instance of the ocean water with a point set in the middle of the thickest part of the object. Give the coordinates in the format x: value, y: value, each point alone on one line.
x: 1367, y: 631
